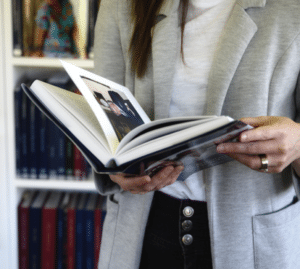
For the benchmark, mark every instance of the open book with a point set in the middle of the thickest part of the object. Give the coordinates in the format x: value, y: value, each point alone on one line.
x: 116, y: 136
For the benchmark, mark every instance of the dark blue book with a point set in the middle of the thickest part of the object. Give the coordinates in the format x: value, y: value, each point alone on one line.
x: 24, y: 132
x: 69, y: 159
x: 18, y: 138
x: 35, y: 218
x: 33, y: 141
x: 89, y: 230
x: 43, y: 171
x: 17, y: 15
x: 52, y: 148
x: 80, y: 232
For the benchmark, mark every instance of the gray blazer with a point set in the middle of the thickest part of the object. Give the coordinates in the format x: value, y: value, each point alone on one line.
x: 253, y: 221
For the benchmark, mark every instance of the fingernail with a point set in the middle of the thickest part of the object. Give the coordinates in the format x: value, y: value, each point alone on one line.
x: 180, y: 168
x: 169, y: 169
x: 147, y: 178
x: 243, y: 137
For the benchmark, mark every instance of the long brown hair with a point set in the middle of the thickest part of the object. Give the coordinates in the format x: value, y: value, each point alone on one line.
x: 143, y: 15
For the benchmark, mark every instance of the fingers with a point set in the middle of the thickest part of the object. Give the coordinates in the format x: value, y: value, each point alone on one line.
x: 166, y: 177
x: 275, y: 163
x: 130, y: 183
x: 254, y: 148
x: 144, y: 184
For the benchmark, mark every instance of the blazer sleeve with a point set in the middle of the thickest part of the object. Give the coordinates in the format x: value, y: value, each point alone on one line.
x: 109, y: 63
x: 296, y: 178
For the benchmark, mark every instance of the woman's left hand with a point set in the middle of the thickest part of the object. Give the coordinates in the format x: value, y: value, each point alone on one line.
x: 276, y: 137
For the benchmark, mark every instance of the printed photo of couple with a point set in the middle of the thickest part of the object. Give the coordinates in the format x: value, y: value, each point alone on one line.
x: 118, y: 109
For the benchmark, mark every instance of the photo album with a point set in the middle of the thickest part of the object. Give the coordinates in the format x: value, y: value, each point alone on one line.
x: 110, y: 128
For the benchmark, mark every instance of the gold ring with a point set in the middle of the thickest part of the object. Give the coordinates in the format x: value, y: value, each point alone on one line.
x: 264, y: 162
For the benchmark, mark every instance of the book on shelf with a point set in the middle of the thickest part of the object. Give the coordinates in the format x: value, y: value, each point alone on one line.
x: 29, y: 12
x: 42, y: 149
x: 49, y: 228
x: 23, y: 227
x: 89, y: 226
x: 17, y: 27
x: 81, y: 231
x: 35, y: 227
x: 115, y: 135
x: 71, y: 231
x: 59, y: 229
x: 99, y: 216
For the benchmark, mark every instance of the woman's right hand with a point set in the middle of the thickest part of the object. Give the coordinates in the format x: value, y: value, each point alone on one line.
x: 144, y: 184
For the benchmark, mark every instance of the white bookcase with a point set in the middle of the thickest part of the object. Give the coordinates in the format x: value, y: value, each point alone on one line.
x: 11, y: 188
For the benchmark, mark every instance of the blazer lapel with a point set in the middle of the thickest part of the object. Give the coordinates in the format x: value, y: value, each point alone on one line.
x: 236, y: 36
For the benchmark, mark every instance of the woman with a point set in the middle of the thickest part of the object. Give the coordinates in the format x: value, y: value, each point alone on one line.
x: 238, y: 58
x: 56, y: 30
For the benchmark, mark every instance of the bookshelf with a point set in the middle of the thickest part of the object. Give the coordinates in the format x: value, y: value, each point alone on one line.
x: 11, y: 187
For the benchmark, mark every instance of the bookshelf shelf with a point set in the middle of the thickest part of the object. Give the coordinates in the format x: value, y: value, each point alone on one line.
x: 48, y: 62
x: 56, y: 184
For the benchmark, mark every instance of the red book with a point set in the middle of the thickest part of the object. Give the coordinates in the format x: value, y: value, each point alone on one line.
x: 77, y: 164
x: 23, y: 225
x: 49, y: 227
x: 71, y: 231
x: 97, y: 230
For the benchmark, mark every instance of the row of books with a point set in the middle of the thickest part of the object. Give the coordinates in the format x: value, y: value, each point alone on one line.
x: 24, y: 25
x: 42, y: 150
x: 60, y: 230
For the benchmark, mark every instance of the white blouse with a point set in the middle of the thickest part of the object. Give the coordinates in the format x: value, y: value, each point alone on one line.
x: 205, y: 22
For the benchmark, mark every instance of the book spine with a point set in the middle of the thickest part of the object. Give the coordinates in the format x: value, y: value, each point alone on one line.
x: 33, y: 141
x: 77, y: 164
x: 52, y: 150
x: 43, y: 172
x: 24, y: 136
x: 89, y: 238
x: 61, y: 153
x: 69, y: 159
x: 49, y: 217
x: 35, y: 238
x: 17, y: 28
x: 60, y: 238
x: 18, y: 137
x: 23, y: 217
x: 80, y: 234
x: 71, y: 240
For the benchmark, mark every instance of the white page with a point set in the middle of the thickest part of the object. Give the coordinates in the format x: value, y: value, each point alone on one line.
x: 77, y: 75
x: 160, y: 132
x: 77, y: 105
x: 89, y: 132
x: 170, y: 140
x: 152, y: 124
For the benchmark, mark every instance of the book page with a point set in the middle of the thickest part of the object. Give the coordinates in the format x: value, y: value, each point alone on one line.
x: 76, y: 115
x: 163, y: 128
x: 114, y: 106
x: 171, y: 140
